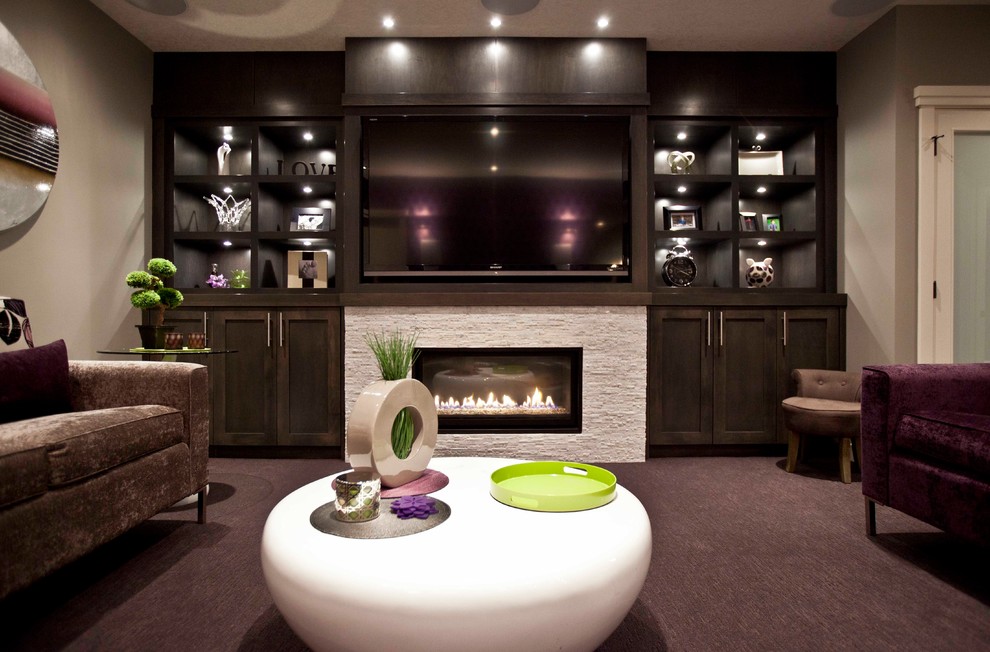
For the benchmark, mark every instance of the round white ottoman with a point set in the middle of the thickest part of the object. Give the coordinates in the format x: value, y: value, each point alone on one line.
x: 491, y: 577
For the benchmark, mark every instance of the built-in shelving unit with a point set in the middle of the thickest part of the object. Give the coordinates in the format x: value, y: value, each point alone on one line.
x: 288, y: 170
x: 750, y: 190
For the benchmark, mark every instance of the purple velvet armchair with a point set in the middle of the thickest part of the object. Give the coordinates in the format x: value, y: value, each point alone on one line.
x: 926, y: 445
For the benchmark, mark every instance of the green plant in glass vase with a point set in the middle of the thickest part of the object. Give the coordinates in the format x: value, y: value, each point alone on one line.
x: 395, y: 354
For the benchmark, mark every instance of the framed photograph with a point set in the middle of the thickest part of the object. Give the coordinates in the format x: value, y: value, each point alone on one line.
x: 307, y: 269
x: 311, y: 218
x: 682, y: 218
x: 748, y: 221
x: 771, y: 222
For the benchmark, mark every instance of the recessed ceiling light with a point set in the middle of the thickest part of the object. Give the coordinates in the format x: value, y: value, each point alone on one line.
x: 495, y: 22
x: 307, y: 189
x: 681, y: 188
x: 761, y: 189
x: 227, y: 243
x: 388, y: 22
x: 761, y: 136
x: 494, y: 131
x: 602, y: 22
x: 682, y: 135
x: 494, y: 168
x: 228, y: 189
x: 307, y: 243
x: 308, y: 136
x: 161, y: 7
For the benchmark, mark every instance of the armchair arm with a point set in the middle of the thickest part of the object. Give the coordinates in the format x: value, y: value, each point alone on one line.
x: 180, y: 385
x: 890, y: 391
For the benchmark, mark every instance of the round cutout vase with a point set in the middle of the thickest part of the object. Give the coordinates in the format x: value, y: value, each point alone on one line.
x: 369, y: 430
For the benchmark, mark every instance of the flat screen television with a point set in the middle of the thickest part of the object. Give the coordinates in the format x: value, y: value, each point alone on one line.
x: 456, y: 198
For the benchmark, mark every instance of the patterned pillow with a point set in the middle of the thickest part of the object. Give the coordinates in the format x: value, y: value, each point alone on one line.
x: 34, y: 382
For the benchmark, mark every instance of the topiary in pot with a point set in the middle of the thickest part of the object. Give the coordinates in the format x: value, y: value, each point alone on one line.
x: 151, y: 294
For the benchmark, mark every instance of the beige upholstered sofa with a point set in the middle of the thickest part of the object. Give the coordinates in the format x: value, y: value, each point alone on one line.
x: 134, y: 441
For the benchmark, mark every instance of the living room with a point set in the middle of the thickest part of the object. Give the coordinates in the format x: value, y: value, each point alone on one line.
x: 99, y: 220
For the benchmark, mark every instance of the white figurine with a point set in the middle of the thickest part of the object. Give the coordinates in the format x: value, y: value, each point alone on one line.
x: 223, y: 154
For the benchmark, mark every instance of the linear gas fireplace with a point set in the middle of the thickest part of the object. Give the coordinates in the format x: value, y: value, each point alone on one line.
x: 503, y: 390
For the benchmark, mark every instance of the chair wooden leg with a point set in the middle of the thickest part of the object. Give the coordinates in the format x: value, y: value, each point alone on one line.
x: 793, y: 446
x: 845, y: 453
x: 871, y: 517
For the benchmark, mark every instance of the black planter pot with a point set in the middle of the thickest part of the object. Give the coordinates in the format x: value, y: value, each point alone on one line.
x: 152, y: 337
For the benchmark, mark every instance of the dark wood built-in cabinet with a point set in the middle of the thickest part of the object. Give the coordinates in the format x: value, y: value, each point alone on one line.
x: 761, y: 133
x: 718, y: 374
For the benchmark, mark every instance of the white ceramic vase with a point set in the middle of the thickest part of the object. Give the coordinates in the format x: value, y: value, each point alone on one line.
x: 369, y: 431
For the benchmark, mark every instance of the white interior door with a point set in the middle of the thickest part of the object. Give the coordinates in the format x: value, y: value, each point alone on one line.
x: 954, y: 228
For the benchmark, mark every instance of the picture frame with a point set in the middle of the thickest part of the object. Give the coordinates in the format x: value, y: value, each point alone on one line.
x: 771, y: 222
x: 748, y: 221
x: 682, y: 218
x: 307, y: 269
x: 311, y: 218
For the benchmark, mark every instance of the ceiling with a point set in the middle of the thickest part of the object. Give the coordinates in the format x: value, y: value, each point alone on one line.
x: 712, y: 25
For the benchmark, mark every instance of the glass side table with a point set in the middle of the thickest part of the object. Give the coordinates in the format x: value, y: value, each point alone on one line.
x: 165, y: 355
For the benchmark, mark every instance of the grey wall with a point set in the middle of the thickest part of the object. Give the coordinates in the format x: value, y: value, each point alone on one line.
x: 69, y: 260
x: 877, y: 73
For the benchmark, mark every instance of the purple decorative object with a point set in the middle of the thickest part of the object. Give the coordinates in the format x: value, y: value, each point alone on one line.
x: 414, y: 507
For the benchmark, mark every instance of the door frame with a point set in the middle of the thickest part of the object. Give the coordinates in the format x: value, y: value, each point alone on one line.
x: 935, y: 283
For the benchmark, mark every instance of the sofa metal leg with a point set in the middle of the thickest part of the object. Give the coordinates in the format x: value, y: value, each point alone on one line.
x: 845, y: 453
x: 858, y: 442
x: 201, y: 505
x: 871, y: 517
x: 793, y: 446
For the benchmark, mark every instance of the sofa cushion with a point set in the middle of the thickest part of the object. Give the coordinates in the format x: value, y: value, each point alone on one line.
x: 34, y: 382
x: 956, y: 438
x: 64, y: 448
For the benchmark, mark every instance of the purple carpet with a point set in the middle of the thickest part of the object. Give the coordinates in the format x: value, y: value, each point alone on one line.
x: 745, y: 557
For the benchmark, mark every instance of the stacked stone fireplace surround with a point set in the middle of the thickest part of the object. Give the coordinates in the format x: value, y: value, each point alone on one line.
x: 613, y: 339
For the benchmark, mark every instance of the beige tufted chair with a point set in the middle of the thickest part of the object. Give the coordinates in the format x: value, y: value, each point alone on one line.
x: 826, y: 405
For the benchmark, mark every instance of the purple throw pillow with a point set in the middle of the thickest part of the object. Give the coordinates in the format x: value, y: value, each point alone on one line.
x: 34, y: 382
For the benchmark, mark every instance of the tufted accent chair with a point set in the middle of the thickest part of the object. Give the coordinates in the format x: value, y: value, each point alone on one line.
x: 826, y: 405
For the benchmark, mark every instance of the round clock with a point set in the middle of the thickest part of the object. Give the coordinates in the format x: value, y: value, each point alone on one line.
x: 679, y: 269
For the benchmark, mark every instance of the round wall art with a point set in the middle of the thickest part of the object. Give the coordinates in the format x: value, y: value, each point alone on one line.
x: 28, y: 135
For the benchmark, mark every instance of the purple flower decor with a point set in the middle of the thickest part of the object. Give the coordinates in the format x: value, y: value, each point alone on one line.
x: 414, y: 507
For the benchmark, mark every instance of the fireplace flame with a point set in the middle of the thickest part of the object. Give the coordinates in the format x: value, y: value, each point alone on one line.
x: 493, y: 405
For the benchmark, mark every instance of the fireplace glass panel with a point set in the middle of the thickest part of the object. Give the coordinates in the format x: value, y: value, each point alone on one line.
x: 503, y: 390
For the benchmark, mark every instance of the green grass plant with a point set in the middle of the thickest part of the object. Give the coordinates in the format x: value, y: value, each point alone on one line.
x: 395, y: 354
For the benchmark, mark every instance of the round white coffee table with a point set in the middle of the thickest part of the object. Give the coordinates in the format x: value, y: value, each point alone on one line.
x: 491, y: 577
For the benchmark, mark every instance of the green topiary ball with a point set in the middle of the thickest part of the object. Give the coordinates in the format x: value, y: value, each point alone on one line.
x: 171, y: 297
x: 161, y: 268
x: 141, y: 280
x: 145, y: 299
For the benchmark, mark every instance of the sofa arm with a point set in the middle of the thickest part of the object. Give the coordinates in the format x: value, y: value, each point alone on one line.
x: 180, y: 385
x: 890, y: 391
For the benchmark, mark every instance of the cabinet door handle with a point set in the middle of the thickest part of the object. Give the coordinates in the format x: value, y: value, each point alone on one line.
x: 785, y: 329
x: 721, y: 330
x: 268, y: 329
x: 281, y: 339
x: 206, y: 332
x: 708, y: 329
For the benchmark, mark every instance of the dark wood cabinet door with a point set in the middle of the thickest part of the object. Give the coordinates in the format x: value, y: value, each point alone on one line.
x: 308, y: 370
x: 679, y: 395
x: 808, y: 338
x: 745, y: 377
x: 244, y: 383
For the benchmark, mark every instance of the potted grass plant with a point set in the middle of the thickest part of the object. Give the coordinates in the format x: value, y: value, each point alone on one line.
x: 151, y: 295
x: 393, y: 426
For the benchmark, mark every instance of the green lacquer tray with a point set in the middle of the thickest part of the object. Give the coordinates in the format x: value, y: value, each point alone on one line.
x: 553, y: 486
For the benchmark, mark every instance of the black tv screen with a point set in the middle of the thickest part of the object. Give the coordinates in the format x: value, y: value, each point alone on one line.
x: 510, y: 197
